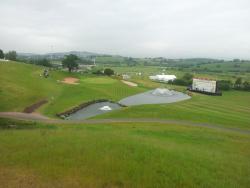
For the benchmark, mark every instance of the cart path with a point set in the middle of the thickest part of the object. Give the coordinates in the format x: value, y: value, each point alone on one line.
x: 44, y: 119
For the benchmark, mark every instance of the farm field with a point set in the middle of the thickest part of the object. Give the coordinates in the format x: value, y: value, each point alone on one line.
x: 228, y: 66
x: 151, y: 70
x: 121, y: 155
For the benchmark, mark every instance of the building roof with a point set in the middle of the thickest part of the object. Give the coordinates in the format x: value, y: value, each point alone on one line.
x: 199, y: 78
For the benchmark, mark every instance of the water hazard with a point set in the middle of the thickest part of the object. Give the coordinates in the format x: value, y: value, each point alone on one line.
x: 157, y: 96
x: 93, y: 110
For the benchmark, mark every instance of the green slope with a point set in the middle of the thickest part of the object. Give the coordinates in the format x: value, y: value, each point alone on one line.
x: 21, y: 86
x: 122, y: 155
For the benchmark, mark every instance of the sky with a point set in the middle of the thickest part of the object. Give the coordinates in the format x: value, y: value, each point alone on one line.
x: 137, y: 28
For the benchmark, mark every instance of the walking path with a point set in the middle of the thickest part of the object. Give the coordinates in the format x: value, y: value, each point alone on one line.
x: 44, y: 119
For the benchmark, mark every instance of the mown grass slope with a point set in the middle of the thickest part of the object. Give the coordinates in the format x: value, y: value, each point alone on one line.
x: 122, y: 155
x: 21, y: 86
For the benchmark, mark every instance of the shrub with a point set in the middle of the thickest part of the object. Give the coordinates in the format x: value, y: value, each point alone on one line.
x: 224, y: 85
x: 108, y: 72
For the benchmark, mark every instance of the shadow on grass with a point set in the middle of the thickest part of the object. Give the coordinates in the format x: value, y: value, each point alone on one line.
x: 20, y: 124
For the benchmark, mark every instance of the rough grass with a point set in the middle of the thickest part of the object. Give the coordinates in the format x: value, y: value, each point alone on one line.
x: 123, y: 155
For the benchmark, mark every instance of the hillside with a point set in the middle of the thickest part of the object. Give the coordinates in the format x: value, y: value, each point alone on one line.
x: 205, y: 143
x: 122, y: 155
x: 57, y: 55
x: 22, y: 85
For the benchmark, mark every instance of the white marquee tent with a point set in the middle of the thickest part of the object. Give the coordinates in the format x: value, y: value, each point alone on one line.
x: 163, y: 77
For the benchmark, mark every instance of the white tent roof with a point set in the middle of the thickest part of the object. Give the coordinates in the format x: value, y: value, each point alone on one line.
x: 163, y: 77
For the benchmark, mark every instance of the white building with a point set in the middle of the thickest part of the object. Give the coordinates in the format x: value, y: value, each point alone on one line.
x: 204, y: 85
x: 5, y: 60
x: 163, y: 78
x: 126, y: 77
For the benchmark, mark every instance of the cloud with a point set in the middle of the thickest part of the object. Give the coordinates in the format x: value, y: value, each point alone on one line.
x: 169, y: 28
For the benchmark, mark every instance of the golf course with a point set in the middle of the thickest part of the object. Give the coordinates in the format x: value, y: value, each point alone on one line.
x: 203, y: 141
x: 125, y: 94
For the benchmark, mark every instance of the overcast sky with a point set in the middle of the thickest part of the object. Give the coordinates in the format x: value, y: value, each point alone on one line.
x: 168, y: 28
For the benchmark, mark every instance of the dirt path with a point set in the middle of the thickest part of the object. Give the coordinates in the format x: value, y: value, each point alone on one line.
x: 44, y: 119
x: 24, y: 116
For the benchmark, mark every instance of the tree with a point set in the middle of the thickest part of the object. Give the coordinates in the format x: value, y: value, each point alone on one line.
x: 188, y: 76
x: 108, y: 72
x: 11, y: 55
x: 97, y: 71
x: 179, y: 81
x: 224, y: 85
x: 70, y: 62
x: 238, y: 83
x: 1, y: 54
x: 246, y: 86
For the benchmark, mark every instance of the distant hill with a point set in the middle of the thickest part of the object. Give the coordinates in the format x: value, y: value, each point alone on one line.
x: 197, y: 64
x: 57, y: 55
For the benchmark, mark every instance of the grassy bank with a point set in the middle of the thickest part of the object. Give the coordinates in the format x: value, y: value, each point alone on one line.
x: 121, y: 155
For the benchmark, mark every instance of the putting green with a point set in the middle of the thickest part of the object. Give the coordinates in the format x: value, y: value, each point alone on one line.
x: 101, y: 80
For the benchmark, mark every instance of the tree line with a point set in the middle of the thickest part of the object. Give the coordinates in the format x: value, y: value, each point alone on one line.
x: 239, y: 84
x: 11, y: 55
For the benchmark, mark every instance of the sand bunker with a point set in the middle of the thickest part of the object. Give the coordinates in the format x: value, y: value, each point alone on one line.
x: 132, y: 84
x: 157, y: 96
x: 70, y: 80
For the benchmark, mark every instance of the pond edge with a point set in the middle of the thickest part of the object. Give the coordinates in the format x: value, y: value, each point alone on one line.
x: 73, y: 110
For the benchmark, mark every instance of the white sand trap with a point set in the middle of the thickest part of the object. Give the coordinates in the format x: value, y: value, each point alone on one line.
x: 105, y: 108
x: 157, y: 96
x: 70, y: 80
x: 132, y: 84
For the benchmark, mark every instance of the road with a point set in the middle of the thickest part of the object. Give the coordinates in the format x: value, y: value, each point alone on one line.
x: 44, y: 119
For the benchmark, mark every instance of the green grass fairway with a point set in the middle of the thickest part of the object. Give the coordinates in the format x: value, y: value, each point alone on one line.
x: 100, y: 80
x: 21, y: 86
x: 122, y: 155
x: 232, y: 109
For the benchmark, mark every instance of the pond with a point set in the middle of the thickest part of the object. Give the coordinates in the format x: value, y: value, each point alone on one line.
x: 93, y: 110
x: 157, y: 96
